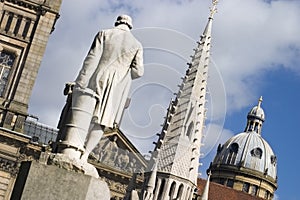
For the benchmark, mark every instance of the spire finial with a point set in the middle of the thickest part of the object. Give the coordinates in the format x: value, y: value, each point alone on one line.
x: 259, y: 101
x: 209, y: 173
x: 213, y: 9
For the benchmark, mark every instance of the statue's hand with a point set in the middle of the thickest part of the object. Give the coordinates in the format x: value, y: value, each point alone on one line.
x: 69, y: 88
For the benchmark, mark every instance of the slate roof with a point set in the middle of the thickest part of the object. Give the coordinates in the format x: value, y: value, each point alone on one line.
x: 221, y: 192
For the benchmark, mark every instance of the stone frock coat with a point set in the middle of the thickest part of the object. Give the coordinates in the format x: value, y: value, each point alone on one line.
x: 114, y: 59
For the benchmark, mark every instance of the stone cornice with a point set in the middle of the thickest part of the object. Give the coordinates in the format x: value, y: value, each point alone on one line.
x: 39, y: 8
x: 242, y: 171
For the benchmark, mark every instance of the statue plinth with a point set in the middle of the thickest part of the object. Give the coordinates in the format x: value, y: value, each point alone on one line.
x: 37, y: 181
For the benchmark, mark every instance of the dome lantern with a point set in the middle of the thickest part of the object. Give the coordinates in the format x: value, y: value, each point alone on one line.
x: 255, y: 118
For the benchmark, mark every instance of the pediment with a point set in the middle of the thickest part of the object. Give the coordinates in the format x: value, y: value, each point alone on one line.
x: 114, y: 150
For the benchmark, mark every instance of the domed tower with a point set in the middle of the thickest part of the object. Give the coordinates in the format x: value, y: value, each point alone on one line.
x: 246, y: 162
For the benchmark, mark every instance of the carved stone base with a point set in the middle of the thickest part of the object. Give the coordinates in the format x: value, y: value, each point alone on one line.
x: 71, y: 164
x: 39, y: 181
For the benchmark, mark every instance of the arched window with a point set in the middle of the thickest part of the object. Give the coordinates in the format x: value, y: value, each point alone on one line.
x: 6, y: 63
x: 233, y: 150
x: 161, y: 189
x: 172, y: 190
x: 187, y: 194
x: 190, y: 129
x: 180, y: 191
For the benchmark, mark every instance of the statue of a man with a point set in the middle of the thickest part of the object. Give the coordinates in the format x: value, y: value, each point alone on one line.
x: 113, y: 61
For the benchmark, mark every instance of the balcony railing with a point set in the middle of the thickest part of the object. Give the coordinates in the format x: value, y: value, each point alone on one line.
x: 39, y: 132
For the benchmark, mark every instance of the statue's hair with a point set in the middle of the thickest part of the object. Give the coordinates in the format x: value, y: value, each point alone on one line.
x: 117, y: 23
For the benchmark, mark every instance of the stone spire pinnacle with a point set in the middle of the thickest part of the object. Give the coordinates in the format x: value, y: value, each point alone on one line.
x: 206, y: 188
x: 149, y: 188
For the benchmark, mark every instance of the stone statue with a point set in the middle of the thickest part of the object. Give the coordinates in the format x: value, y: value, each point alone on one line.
x: 132, y: 165
x: 101, y: 89
x: 110, y: 151
x: 123, y: 160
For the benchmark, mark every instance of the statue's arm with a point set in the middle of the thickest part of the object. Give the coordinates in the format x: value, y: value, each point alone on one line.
x: 137, y: 65
x: 91, y: 61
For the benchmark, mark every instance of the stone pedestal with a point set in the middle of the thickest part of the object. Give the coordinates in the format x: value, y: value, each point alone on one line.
x: 37, y: 181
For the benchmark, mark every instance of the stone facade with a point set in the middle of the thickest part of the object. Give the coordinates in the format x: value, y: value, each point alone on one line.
x: 25, y: 27
x: 14, y: 148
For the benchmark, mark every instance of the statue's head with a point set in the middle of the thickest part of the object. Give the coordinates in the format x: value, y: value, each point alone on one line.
x: 124, y: 19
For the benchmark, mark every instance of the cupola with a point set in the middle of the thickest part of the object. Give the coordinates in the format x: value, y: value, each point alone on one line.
x: 246, y: 161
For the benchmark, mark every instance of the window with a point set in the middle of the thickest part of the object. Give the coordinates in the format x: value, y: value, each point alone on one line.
x: 161, y: 189
x: 172, y: 190
x: 230, y: 183
x: 254, y: 189
x: 246, y: 187
x: 267, y: 194
x: 9, y: 20
x: 18, y: 24
x: 180, y: 191
x: 26, y: 28
x: 190, y: 129
x: 233, y: 150
x: 256, y: 127
x: 221, y: 181
x: 257, y: 152
x: 273, y: 160
x: 6, y: 62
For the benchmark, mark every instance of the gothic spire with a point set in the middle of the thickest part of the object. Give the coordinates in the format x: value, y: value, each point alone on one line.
x: 180, y: 139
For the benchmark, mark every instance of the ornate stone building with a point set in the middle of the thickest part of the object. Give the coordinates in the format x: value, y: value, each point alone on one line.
x: 25, y: 27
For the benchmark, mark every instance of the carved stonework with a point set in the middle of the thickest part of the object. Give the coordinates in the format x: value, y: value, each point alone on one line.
x: 108, y: 152
x: 115, y: 187
x: 70, y: 164
x: 15, y: 150
x: 9, y: 166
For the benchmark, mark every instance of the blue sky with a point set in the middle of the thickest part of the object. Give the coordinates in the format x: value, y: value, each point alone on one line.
x: 281, y: 105
x: 255, y: 52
